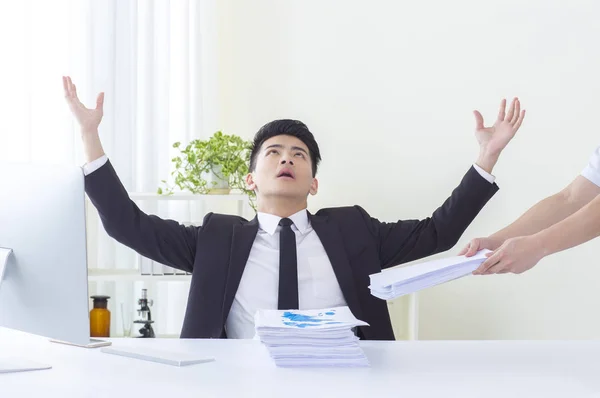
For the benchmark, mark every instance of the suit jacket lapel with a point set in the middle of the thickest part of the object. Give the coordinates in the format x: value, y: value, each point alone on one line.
x: 331, y: 238
x: 241, y: 244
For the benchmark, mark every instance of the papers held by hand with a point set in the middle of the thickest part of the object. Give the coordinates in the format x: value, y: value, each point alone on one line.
x: 397, y: 282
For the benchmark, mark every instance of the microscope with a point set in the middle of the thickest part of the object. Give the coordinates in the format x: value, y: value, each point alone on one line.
x: 146, y: 317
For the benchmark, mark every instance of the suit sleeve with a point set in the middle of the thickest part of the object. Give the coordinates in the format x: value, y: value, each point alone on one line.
x: 164, y: 241
x: 407, y: 240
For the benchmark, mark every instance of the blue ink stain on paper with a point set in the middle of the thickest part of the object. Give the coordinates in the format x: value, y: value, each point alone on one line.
x: 303, y: 321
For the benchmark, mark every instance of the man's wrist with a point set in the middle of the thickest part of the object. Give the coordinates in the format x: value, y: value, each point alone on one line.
x: 487, y: 160
x: 92, y: 147
x: 89, y: 132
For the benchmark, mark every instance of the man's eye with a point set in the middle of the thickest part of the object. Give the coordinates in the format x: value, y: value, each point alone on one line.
x: 272, y: 151
x: 300, y: 154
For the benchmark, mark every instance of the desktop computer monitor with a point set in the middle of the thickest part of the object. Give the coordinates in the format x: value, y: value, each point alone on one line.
x: 44, y: 283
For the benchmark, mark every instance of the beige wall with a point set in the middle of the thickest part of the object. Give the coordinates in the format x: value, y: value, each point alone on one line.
x: 388, y: 88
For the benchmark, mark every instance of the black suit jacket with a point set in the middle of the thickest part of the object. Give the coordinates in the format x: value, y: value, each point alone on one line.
x: 216, y: 252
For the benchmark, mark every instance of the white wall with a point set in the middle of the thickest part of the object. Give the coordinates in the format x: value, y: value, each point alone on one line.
x: 388, y: 88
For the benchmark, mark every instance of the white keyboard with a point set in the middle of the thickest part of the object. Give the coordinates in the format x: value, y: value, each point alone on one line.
x: 160, y: 356
x: 10, y: 365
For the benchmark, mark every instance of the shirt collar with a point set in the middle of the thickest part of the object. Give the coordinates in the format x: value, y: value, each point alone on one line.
x: 270, y: 222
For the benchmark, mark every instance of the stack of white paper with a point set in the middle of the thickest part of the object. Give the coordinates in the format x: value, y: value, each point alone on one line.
x: 397, y: 282
x: 311, y: 338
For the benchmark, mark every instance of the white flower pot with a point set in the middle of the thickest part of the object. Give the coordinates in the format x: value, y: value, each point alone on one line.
x: 215, y: 182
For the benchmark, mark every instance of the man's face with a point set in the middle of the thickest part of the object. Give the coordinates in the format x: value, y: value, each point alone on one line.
x: 283, y: 168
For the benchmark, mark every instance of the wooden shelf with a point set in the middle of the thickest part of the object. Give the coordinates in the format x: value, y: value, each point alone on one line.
x: 110, y: 275
x: 158, y: 336
x: 186, y: 196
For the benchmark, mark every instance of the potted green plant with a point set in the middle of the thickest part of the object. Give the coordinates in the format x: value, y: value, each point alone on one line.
x: 214, y: 166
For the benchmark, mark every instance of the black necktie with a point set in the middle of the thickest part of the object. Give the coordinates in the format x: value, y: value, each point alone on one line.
x: 288, y: 267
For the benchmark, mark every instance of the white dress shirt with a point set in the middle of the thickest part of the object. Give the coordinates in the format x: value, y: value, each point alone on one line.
x: 592, y: 169
x: 317, y: 285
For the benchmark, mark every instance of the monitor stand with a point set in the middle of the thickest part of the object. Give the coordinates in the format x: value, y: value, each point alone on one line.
x: 11, y: 365
x: 4, y: 255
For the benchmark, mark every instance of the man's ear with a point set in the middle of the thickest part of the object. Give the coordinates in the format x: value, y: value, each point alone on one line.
x: 314, y: 186
x: 250, y: 184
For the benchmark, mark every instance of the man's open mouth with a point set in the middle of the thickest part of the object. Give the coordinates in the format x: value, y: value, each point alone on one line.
x: 286, y: 173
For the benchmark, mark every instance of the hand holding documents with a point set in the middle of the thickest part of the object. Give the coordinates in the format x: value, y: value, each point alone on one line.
x: 397, y: 282
x: 311, y: 338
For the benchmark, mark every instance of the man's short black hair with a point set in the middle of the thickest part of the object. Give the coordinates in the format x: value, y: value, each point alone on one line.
x: 295, y: 128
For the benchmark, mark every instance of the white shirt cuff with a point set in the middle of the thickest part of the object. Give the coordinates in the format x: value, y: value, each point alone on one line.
x: 94, y: 165
x: 491, y: 179
x: 592, y: 170
x: 591, y: 175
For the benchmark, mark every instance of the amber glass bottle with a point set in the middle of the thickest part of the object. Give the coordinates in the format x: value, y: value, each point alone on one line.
x: 100, y: 317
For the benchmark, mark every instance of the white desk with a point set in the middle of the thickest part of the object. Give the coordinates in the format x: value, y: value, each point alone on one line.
x: 243, y: 369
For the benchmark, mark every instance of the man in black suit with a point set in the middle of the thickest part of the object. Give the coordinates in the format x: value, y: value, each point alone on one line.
x: 285, y: 257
